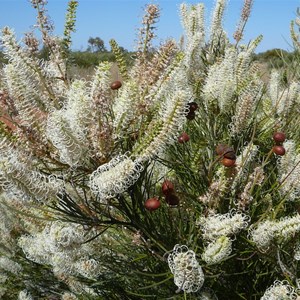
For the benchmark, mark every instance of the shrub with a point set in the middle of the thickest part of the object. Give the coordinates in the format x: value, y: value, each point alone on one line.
x: 80, y: 159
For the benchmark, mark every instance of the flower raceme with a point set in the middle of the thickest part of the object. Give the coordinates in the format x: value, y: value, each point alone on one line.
x: 188, y: 274
x: 289, y: 172
x: 115, y: 176
x: 20, y: 179
x: 280, y: 290
x: 62, y: 246
x: 217, y: 225
x: 279, y: 230
x: 164, y: 131
x: 24, y: 295
x: 217, y: 250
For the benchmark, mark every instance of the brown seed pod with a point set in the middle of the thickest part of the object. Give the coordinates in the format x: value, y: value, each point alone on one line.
x: 225, y: 151
x: 227, y: 162
x: 229, y: 153
x: 221, y: 149
x: 152, y: 204
x: 167, y: 187
x: 116, y: 85
x: 193, y: 106
x: 172, y: 199
x: 191, y: 115
x: 279, y: 150
x: 279, y: 137
x: 183, y: 138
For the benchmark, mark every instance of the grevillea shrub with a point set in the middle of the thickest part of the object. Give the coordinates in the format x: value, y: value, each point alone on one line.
x: 81, y: 163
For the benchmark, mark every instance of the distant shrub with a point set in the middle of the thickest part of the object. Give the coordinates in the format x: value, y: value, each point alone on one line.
x: 275, y: 58
x: 87, y: 59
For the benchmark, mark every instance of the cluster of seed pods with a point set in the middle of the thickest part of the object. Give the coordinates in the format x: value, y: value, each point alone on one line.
x: 170, y: 196
x: 279, y: 138
x: 226, y: 154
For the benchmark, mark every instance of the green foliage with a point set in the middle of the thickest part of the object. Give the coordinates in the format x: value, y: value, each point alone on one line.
x: 275, y: 58
x: 89, y: 59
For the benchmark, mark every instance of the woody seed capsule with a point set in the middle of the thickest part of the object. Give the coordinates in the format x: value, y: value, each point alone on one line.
x: 183, y: 138
x: 227, y: 162
x: 116, y: 85
x: 279, y: 137
x: 152, y: 204
x: 167, y: 187
x: 193, y: 106
x: 279, y: 150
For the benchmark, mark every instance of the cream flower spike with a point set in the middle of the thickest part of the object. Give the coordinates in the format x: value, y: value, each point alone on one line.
x: 188, y: 274
x: 280, y: 290
x: 115, y: 176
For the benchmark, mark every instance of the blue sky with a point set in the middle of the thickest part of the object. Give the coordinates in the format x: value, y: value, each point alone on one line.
x: 120, y: 19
